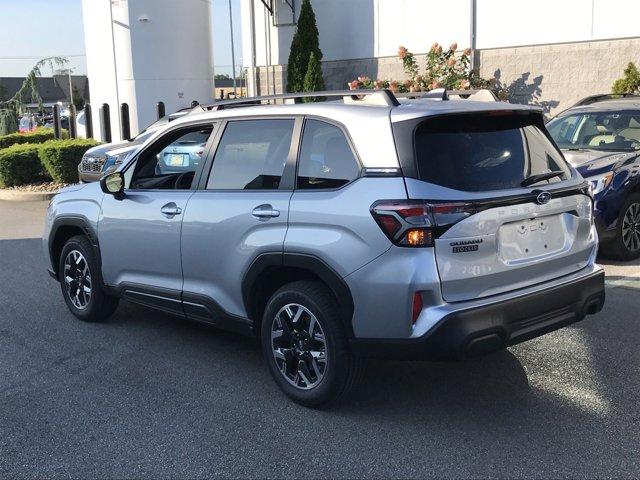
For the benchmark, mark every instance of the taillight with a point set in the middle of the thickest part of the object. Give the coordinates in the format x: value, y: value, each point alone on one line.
x: 411, y: 223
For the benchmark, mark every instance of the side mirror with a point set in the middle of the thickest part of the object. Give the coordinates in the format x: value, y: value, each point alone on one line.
x: 113, y: 184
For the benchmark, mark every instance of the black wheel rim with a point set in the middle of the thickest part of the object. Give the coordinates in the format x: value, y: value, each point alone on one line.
x: 631, y: 228
x: 299, y: 346
x: 77, y: 279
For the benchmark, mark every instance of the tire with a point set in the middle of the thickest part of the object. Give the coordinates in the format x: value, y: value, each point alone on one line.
x: 291, y: 355
x: 626, y: 243
x: 78, y: 262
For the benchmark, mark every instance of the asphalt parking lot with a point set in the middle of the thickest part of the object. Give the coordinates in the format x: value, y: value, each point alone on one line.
x: 150, y: 395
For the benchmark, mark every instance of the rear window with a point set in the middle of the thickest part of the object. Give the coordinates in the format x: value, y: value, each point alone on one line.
x: 483, y: 152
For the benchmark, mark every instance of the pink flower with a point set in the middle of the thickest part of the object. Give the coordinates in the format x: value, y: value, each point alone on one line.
x: 393, y: 86
x: 434, y: 47
x: 451, y: 62
x: 377, y: 85
x: 402, y: 52
x: 453, y: 47
x: 465, y: 84
x: 353, y: 85
x: 467, y: 52
x: 435, y: 85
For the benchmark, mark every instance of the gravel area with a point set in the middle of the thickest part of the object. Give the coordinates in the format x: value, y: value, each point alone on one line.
x: 40, y: 187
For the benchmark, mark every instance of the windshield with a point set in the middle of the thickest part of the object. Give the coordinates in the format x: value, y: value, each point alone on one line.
x: 154, y: 126
x: 607, y: 131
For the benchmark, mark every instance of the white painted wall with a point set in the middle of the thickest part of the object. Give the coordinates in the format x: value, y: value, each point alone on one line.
x: 375, y: 28
x: 163, y: 53
x: 417, y: 24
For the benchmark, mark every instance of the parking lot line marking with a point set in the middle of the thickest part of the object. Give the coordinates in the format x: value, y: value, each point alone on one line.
x: 632, y: 283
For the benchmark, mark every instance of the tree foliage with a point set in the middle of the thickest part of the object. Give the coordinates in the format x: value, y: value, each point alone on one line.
x: 305, y: 42
x: 630, y: 83
x: 444, y: 68
x: 313, y: 81
x: 27, y: 93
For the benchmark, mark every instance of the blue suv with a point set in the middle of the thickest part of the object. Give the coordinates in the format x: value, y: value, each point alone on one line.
x: 600, y: 137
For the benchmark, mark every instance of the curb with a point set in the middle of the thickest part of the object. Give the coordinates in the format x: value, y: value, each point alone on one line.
x: 19, y: 196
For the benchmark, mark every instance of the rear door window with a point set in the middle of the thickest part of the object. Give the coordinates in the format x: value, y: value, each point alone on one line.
x: 326, y: 158
x: 476, y: 153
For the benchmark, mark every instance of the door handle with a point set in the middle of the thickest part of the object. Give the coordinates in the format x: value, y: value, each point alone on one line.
x: 171, y: 209
x: 265, y: 212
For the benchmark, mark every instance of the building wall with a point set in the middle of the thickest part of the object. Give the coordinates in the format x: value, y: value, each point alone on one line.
x: 571, y: 56
x: 556, y: 76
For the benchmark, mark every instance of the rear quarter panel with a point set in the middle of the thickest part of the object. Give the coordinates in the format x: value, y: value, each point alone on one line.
x: 336, y: 225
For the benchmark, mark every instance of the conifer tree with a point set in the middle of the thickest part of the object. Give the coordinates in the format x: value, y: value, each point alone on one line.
x: 313, y: 81
x: 305, y: 41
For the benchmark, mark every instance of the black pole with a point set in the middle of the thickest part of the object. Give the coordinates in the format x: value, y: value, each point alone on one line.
x: 160, y: 110
x: 194, y: 103
x: 72, y: 121
x: 125, y: 127
x: 105, y: 120
x: 57, y: 127
x: 88, y: 120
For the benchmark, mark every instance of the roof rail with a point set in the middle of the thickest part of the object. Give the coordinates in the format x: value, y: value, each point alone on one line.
x: 482, y: 95
x: 368, y: 97
x: 602, y: 97
x: 435, y: 94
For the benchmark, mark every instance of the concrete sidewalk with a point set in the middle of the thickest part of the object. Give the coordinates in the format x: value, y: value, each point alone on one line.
x: 21, y: 219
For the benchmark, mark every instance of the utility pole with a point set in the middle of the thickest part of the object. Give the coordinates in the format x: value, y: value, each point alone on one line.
x: 115, y: 65
x: 473, y: 32
x: 233, y: 53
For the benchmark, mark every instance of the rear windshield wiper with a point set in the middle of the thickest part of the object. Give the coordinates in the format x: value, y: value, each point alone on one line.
x: 540, y: 177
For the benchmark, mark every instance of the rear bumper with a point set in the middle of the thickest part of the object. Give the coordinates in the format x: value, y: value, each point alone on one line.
x: 492, y: 326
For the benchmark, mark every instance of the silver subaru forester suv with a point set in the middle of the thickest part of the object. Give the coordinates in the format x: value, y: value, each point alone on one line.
x: 365, y: 226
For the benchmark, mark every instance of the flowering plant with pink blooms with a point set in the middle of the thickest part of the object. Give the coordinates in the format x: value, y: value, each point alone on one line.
x: 444, y: 69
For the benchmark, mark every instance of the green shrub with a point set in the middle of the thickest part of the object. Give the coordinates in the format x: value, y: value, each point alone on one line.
x: 39, y: 135
x: 630, y: 83
x: 19, y: 165
x: 60, y: 158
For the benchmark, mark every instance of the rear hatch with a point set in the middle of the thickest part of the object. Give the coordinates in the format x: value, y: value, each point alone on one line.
x: 507, y: 212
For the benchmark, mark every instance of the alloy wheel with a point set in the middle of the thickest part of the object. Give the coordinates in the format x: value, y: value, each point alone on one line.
x: 77, y: 279
x: 631, y: 228
x: 299, y: 346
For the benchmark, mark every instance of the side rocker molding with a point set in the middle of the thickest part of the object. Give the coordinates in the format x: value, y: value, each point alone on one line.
x: 305, y: 262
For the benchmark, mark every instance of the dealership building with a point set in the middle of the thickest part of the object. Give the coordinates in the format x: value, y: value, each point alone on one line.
x: 546, y: 52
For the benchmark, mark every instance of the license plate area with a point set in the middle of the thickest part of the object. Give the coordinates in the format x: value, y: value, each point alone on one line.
x: 177, y: 160
x: 525, y: 240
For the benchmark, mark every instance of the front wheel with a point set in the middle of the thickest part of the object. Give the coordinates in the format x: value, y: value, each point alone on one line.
x: 304, y: 345
x: 626, y: 244
x: 81, y: 282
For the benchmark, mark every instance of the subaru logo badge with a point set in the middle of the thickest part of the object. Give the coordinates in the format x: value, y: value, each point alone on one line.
x: 543, y: 197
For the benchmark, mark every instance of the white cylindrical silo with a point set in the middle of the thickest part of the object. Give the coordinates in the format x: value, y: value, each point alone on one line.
x: 162, y: 51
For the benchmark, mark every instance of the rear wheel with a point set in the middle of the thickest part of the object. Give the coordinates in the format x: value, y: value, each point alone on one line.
x: 81, y: 282
x: 626, y: 244
x: 304, y: 345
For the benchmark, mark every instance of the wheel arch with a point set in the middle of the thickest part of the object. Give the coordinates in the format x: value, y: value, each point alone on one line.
x: 270, y: 271
x: 62, y: 230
